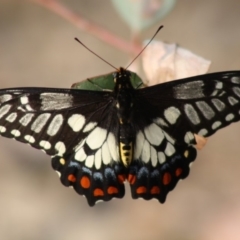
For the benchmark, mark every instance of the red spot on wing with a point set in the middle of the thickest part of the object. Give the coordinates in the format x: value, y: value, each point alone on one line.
x: 121, y: 178
x: 155, y: 190
x: 71, y: 178
x: 166, y: 178
x: 131, y: 178
x: 85, y: 182
x: 141, y: 190
x: 178, y: 172
x: 112, y: 190
x: 98, y: 192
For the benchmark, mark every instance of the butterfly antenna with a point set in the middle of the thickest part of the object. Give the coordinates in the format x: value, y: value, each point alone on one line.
x: 95, y: 53
x: 145, y: 46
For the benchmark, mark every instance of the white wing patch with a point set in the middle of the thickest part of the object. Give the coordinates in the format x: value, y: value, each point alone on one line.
x: 206, y: 110
x: 106, y: 156
x: 55, y: 125
x: 76, y: 122
x: 4, y: 110
x: 154, y: 134
x: 45, y: 144
x: 29, y: 138
x: 229, y: 117
x: 2, y: 129
x: 5, y: 98
x: 89, y: 126
x: 89, y: 161
x: 98, y: 158
x: 11, y: 117
x: 26, y: 119
x: 145, y: 156
x: 40, y: 122
x: 60, y: 148
x: 15, y: 133
x: 191, y: 114
x: 103, y: 149
x: 55, y: 101
x: 148, y: 141
x: 138, y: 145
x: 96, y: 138
x: 172, y: 114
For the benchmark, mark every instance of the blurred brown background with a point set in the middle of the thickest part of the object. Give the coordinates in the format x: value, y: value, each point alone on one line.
x: 37, y: 49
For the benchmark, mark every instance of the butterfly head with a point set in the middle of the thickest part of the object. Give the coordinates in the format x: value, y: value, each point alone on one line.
x: 122, y: 77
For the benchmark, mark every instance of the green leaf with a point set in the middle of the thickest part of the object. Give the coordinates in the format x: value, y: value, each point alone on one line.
x: 105, y: 82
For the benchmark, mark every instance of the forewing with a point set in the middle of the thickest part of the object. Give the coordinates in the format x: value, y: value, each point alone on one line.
x: 201, y: 104
x: 77, y: 128
x: 166, y: 120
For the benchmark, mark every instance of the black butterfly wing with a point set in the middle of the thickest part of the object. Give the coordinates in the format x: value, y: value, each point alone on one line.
x: 78, y: 129
x: 171, y: 113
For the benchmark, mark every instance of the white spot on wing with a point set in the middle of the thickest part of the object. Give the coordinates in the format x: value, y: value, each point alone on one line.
x: 154, y: 134
x: 216, y: 125
x: 203, y: 132
x: 2, y: 129
x: 112, y: 146
x: 29, y: 108
x: 98, y: 159
x: 76, y: 122
x: 139, y: 143
x: 218, y: 104
x: 55, y: 101
x: 29, y: 138
x: 189, y: 90
x: 60, y: 147
x: 4, y: 110
x: 89, y: 126
x: 169, y: 138
x: 154, y: 159
x: 40, y: 122
x: 189, y: 137
x: 235, y: 80
x: 11, y: 117
x: 161, y: 157
x: 172, y: 114
x: 55, y: 125
x: 26, y: 119
x: 106, y: 157
x: 24, y: 100
x: 79, y: 145
x: 45, y: 144
x: 80, y: 155
x: 5, y: 98
x: 89, y: 161
x: 236, y: 90
x: 232, y: 100
x: 15, y: 133
x: 219, y: 85
x: 191, y: 114
x: 206, y: 110
x: 96, y: 138
x: 161, y: 122
x: 170, y: 150
x: 146, y: 152
x: 229, y: 117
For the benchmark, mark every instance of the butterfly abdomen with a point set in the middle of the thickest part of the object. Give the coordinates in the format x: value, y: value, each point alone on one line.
x: 124, y: 103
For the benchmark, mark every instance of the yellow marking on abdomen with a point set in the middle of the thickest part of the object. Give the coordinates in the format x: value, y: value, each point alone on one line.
x: 126, y: 153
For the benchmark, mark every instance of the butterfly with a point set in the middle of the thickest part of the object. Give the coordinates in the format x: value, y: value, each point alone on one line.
x: 109, y: 129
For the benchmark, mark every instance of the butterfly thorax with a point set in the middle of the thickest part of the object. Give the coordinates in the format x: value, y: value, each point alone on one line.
x: 124, y: 102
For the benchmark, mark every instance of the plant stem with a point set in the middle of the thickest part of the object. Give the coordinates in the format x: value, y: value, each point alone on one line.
x: 89, y: 27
